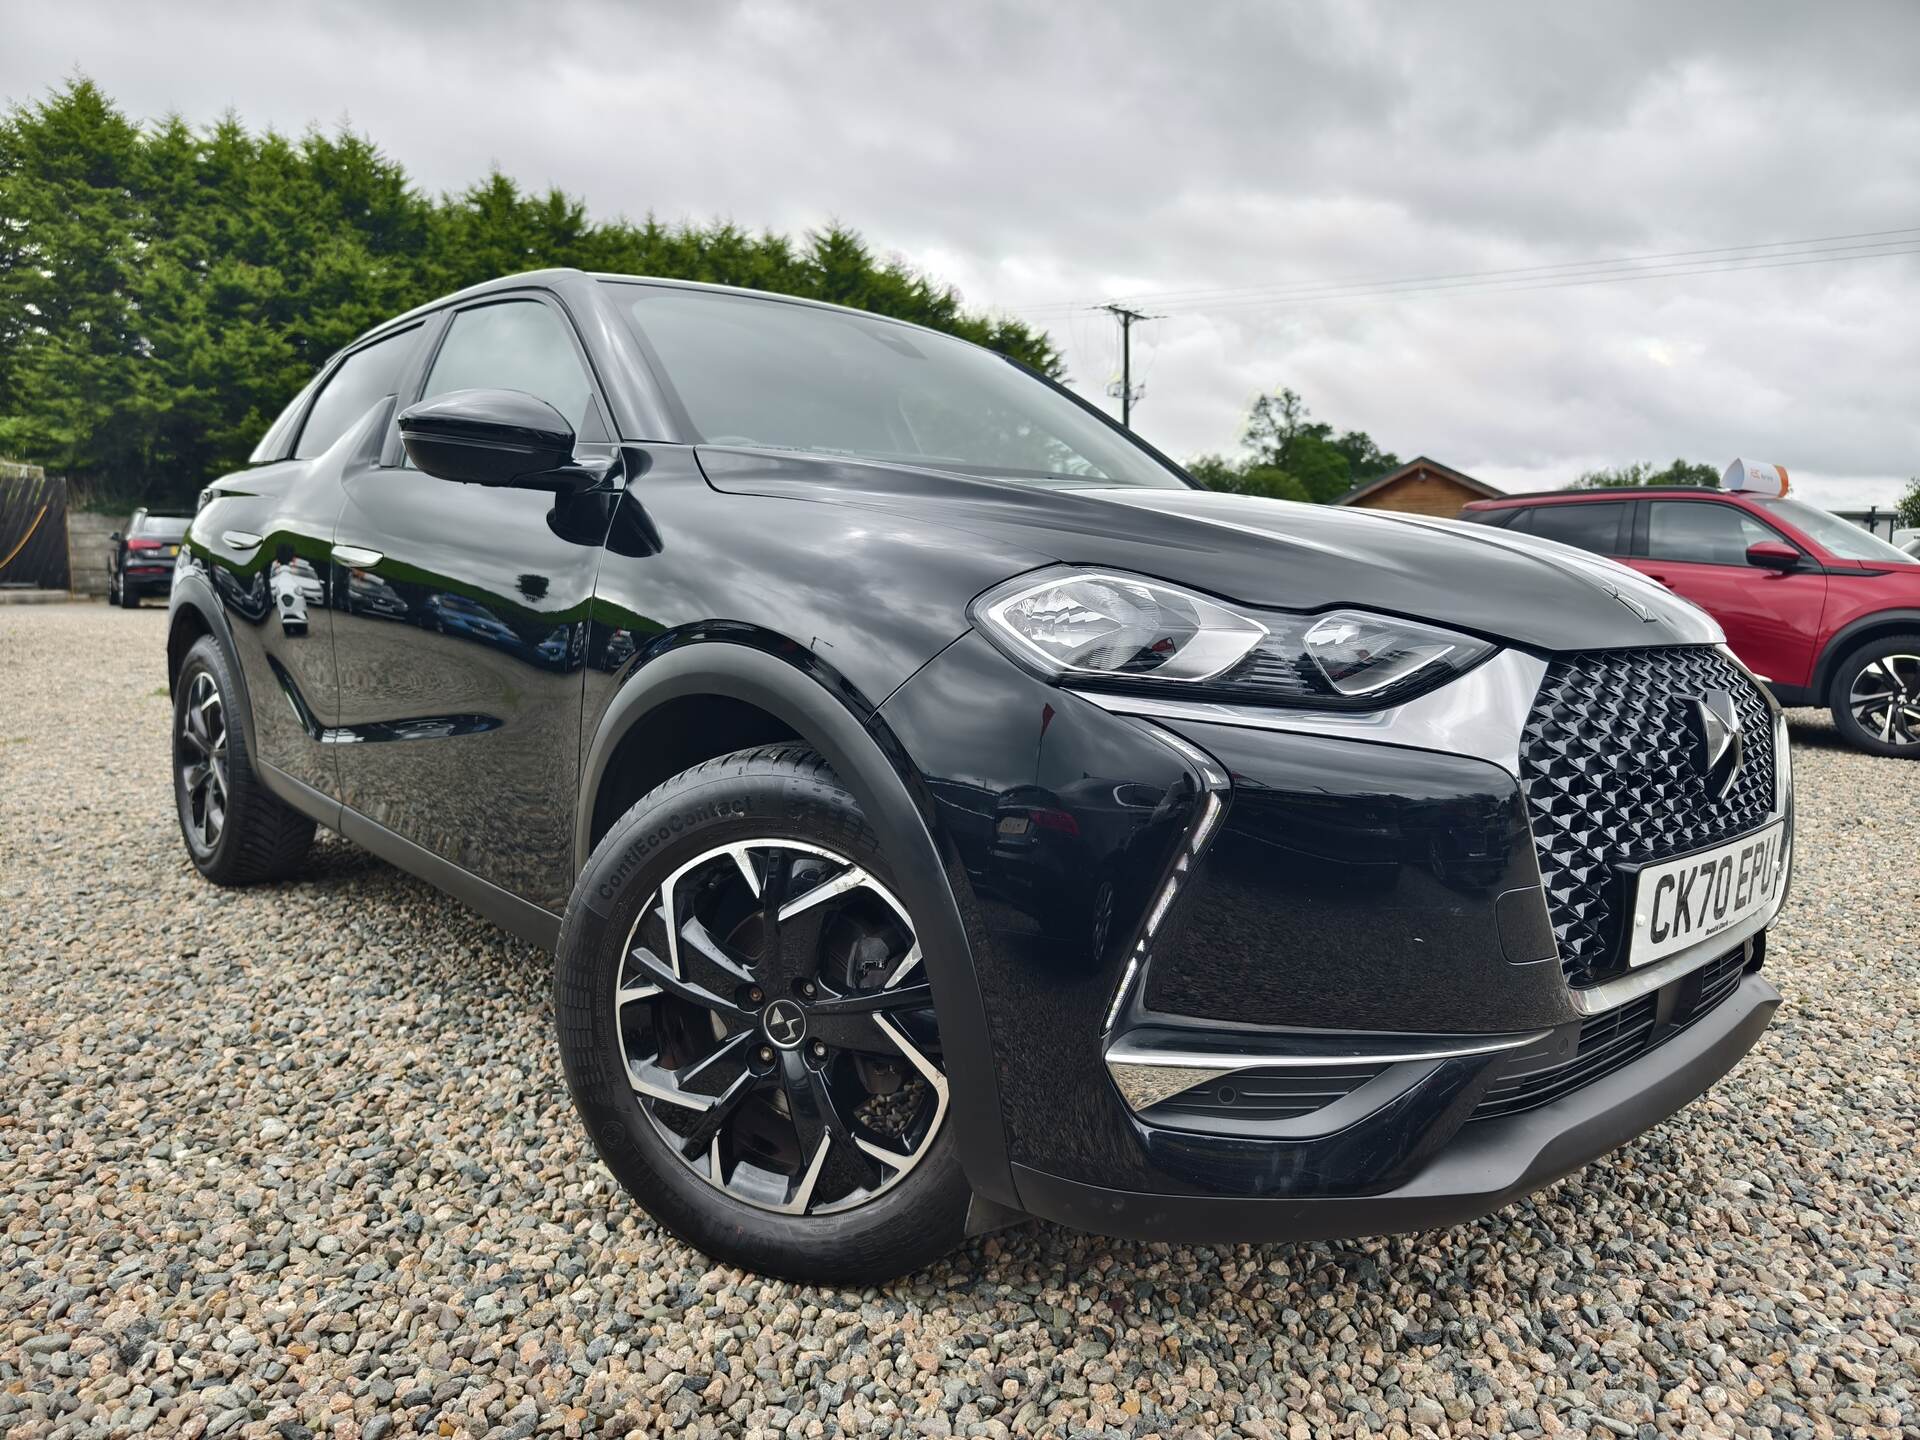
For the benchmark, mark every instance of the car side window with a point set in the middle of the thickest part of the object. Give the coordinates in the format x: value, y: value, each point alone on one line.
x: 369, y: 374
x: 1589, y: 524
x: 1705, y: 532
x: 517, y: 345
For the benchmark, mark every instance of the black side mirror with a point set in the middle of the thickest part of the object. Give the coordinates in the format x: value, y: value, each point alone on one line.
x: 1773, y: 555
x: 114, y: 538
x: 493, y: 437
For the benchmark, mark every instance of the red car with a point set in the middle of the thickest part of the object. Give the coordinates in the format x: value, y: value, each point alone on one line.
x: 1823, y: 611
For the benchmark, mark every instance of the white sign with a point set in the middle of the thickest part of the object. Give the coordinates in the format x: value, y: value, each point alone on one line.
x: 1755, y: 476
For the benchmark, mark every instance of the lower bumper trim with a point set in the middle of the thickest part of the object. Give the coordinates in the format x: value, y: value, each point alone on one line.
x: 1486, y: 1166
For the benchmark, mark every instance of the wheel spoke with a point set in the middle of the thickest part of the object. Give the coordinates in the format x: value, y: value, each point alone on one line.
x: 667, y: 978
x: 903, y: 1160
x: 817, y: 1121
x: 696, y: 941
x: 849, y: 1022
x: 852, y: 878
x: 867, y: 1002
x: 726, y: 1104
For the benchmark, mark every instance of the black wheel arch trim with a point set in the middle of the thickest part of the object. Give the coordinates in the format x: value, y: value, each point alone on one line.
x: 788, y: 681
x: 192, y: 591
x: 1860, y: 632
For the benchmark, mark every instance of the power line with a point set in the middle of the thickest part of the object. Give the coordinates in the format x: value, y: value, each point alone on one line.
x: 1721, y: 259
x: 1597, y: 276
x: 1159, y: 297
x: 1602, y: 278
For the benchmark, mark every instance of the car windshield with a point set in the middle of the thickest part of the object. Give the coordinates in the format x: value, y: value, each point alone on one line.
x: 774, y: 375
x: 1842, y: 537
x: 163, y: 527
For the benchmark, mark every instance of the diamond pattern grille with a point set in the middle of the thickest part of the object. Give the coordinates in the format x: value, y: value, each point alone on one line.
x: 1607, y: 762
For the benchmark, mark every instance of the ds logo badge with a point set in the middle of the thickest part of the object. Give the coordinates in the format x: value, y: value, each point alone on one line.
x: 1719, y: 746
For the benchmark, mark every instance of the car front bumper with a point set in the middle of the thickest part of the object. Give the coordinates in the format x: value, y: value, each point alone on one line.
x: 1487, y: 1165
x: 1171, y: 913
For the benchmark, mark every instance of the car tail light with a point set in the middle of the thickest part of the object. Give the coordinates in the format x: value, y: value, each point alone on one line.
x: 146, y: 545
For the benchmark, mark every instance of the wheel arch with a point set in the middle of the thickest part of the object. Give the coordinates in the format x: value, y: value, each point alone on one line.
x: 1864, y: 631
x: 195, y: 612
x: 764, y: 686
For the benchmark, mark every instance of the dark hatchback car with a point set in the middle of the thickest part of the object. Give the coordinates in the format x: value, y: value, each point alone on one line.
x: 141, y: 559
x: 943, y: 811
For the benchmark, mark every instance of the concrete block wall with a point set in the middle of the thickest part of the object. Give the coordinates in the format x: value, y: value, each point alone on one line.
x: 87, y: 548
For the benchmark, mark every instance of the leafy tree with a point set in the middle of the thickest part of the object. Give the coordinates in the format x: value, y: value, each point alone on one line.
x: 1218, y: 473
x: 1909, y: 508
x: 165, y: 290
x: 1641, y: 473
x: 1295, y: 456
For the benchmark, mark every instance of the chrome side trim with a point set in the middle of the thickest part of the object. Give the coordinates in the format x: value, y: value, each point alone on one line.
x: 1480, y: 715
x: 1145, y: 1075
x: 1214, y: 776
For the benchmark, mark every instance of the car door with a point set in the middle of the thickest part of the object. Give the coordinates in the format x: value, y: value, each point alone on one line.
x: 460, y: 628
x: 1698, y: 549
x: 263, y: 536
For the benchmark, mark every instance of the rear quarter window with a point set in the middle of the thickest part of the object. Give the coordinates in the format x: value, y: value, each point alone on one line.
x: 1594, y: 525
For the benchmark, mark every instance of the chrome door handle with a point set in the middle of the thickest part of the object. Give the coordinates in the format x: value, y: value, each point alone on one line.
x: 354, y: 558
x: 240, y: 539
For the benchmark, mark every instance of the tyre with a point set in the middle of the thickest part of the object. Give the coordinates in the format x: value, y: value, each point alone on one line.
x: 119, y: 594
x: 237, y: 831
x: 748, y: 1031
x: 1875, y: 696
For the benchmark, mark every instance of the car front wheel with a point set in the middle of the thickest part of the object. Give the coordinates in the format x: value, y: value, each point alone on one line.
x: 1875, y: 697
x: 748, y: 1030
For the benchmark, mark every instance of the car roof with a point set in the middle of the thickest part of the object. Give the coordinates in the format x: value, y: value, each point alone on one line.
x: 1621, y: 492
x: 552, y: 276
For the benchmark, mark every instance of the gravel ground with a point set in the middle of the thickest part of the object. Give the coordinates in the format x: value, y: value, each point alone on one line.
x: 300, y: 1161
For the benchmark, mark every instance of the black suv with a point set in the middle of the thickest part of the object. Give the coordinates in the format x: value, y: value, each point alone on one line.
x: 941, y: 810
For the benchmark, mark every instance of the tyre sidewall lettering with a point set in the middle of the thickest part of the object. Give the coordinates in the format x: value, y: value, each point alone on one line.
x: 636, y: 853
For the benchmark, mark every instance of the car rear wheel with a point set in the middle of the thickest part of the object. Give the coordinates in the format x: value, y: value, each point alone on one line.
x: 748, y: 1030
x: 237, y: 831
x: 122, y: 594
x: 1875, y: 697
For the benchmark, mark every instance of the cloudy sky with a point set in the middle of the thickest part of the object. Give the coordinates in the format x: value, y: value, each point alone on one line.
x: 1311, y: 195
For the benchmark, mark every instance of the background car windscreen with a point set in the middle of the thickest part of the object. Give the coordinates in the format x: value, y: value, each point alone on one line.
x: 797, y: 377
x: 1843, y: 538
x: 161, y: 527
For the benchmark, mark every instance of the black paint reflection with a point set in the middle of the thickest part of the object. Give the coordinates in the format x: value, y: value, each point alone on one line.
x: 1064, y: 820
x: 1352, y: 887
x: 466, y: 640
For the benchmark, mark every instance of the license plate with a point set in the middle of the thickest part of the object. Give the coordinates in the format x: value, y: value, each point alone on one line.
x: 171, y: 551
x: 1679, y: 903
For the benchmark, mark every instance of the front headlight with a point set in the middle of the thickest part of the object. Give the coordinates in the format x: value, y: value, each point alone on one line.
x: 1122, y: 631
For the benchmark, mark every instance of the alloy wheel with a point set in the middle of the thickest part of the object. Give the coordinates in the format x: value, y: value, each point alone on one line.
x: 1885, y: 699
x: 777, y: 1027
x: 201, y: 753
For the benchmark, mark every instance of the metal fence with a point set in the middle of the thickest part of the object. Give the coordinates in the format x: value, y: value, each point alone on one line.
x: 33, y: 529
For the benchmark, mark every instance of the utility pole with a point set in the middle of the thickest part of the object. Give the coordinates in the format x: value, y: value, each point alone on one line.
x: 1126, y: 318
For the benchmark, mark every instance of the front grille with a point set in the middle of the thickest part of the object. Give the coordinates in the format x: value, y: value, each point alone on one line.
x: 1533, y: 1077
x: 1270, y: 1094
x: 1607, y: 763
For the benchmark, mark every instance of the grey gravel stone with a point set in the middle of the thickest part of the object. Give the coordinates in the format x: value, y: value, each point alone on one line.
x: 298, y: 1161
